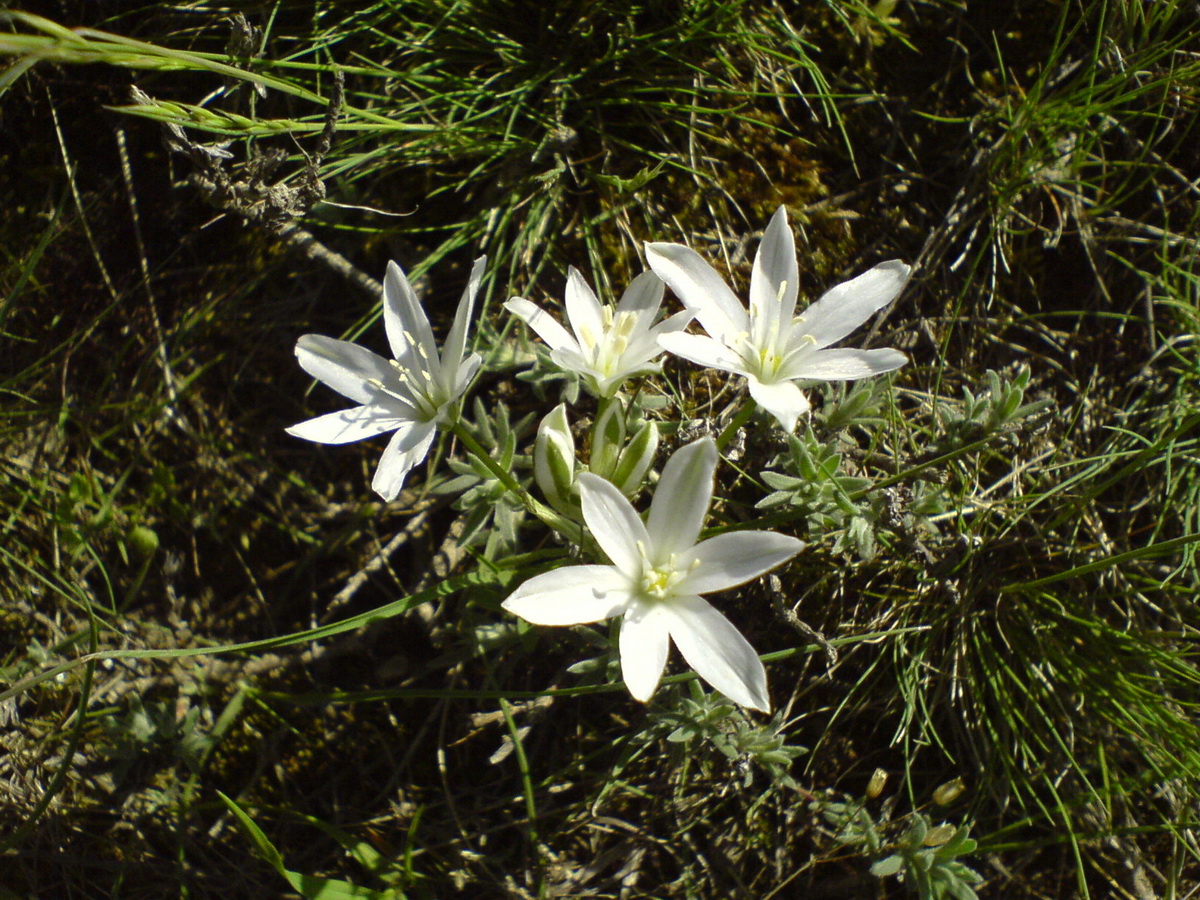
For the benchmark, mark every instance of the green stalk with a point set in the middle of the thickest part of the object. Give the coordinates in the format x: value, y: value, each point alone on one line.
x: 526, y: 789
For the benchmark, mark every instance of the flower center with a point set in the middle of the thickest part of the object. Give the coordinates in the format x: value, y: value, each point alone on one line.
x: 659, y: 583
x: 768, y: 335
x: 413, y: 387
x: 607, y: 351
x: 768, y: 363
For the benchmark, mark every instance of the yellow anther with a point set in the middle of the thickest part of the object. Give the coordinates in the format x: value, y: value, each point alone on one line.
x: 625, y: 324
x: 587, y: 338
x: 416, y: 345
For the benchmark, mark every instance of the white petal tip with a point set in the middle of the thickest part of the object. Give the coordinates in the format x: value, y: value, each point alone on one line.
x: 634, y: 692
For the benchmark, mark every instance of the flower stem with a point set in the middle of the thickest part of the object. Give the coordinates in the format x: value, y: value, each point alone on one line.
x: 738, y: 421
x: 559, y: 523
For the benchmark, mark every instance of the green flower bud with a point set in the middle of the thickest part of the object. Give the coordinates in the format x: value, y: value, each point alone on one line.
x: 554, y: 458
x: 608, y: 437
x: 636, y: 460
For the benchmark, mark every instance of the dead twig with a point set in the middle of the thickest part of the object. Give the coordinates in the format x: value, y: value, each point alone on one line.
x: 273, y: 204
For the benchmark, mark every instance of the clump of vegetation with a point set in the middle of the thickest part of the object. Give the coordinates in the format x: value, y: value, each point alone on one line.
x: 233, y: 671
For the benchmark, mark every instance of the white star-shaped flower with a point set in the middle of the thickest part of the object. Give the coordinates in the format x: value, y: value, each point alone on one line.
x: 410, y: 394
x: 656, y: 579
x: 771, y: 346
x: 609, y: 345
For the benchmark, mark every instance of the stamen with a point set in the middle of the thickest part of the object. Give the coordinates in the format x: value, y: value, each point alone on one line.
x: 418, y: 379
x: 801, y: 348
x: 416, y: 345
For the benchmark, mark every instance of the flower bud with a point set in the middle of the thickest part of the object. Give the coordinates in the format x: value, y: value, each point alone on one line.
x: 554, y: 457
x: 608, y: 436
x: 636, y: 460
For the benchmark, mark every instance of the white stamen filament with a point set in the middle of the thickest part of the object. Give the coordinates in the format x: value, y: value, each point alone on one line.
x: 801, y: 348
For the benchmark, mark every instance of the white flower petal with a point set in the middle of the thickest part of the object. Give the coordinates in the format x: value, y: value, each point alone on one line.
x: 783, y: 400
x: 727, y: 560
x: 674, y: 323
x: 643, y: 343
x: 644, y: 642
x: 613, y: 522
x: 345, y: 367
x: 642, y: 298
x: 703, y: 351
x: 466, y: 374
x: 354, y: 424
x: 584, y: 312
x: 456, y: 341
x: 404, y: 319
x: 775, y: 267
x: 543, y: 324
x: 681, y: 500
x: 405, y: 450
x: 573, y: 595
x: 718, y: 652
x: 570, y: 360
x: 844, y: 307
x: 700, y: 289
x: 846, y: 365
